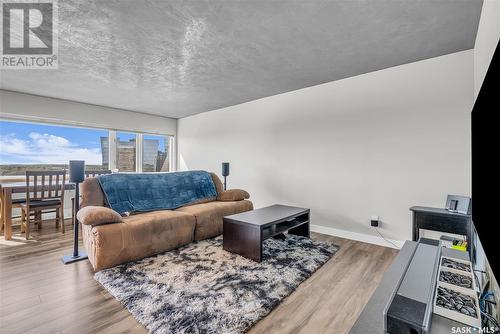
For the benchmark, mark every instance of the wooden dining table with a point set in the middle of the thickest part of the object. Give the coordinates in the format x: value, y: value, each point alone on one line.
x: 6, y: 191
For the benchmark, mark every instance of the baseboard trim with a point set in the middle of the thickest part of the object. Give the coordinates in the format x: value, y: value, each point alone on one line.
x: 371, y: 239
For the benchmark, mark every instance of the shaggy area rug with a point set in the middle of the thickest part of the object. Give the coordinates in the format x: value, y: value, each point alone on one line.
x: 200, y: 288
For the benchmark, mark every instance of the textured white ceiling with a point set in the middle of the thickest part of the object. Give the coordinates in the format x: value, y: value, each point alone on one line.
x: 178, y: 58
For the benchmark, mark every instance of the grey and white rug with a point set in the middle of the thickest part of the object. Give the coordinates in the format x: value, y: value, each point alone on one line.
x: 200, y: 288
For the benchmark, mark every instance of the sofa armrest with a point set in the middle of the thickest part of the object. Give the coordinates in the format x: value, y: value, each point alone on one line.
x: 233, y: 195
x: 98, y: 215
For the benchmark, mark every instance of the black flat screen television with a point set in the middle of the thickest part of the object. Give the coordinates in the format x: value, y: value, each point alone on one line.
x: 485, y: 169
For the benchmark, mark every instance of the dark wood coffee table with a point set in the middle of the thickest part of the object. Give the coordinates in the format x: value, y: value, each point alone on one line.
x: 245, y: 232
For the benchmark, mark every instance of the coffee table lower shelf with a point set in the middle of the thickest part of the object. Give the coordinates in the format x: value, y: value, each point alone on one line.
x: 286, y: 226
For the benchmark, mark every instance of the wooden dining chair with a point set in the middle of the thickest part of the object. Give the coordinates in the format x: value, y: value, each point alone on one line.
x: 88, y: 173
x: 44, y: 191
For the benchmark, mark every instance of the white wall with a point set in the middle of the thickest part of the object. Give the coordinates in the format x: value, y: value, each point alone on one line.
x: 373, y: 144
x: 36, y: 108
x: 488, y: 35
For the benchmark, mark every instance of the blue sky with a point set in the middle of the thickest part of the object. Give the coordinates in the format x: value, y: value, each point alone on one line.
x: 38, y: 143
x: 87, y: 137
x: 29, y: 143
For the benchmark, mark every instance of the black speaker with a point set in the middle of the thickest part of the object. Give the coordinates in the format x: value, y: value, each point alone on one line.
x: 76, y: 171
x: 225, y: 169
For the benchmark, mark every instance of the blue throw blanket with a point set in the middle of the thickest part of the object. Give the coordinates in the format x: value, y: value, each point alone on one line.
x: 156, y: 191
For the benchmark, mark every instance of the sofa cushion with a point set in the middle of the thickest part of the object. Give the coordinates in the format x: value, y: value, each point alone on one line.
x: 92, y: 193
x: 98, y: 215
x: 209, y: 216
x: 217, y: 182
x: 233, y: 195
x: 139, y: 236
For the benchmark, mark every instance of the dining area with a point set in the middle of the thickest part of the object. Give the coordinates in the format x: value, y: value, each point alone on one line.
x: 35, y: 197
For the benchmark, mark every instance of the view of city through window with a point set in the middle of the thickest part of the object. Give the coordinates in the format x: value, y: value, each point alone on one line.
x: 126, y: 150
x: 155, y: 154
x: 28, y: 146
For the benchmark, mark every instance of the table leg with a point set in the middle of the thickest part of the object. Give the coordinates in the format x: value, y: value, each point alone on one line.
x: 243, y: 240
x: 415, y: 228
x: 7, y: 213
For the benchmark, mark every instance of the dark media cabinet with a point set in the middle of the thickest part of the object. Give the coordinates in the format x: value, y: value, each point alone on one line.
x: 442, y: 220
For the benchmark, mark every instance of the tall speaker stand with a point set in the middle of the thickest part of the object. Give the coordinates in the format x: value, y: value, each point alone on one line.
x: 77, y: 256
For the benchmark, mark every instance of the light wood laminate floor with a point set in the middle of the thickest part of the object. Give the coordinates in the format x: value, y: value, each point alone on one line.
x: 38, y: 294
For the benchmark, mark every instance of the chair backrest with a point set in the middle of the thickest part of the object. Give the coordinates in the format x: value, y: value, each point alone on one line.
x: 94, y: 173
x: 45, y: 185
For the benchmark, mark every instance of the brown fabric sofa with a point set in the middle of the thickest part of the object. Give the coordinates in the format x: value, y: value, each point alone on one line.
x: 145, y: 234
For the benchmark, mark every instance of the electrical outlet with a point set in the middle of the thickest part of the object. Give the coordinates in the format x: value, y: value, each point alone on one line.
x: 374, y: 221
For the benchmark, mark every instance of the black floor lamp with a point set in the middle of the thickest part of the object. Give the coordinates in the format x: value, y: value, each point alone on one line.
x: 76, y: 176
x: 225, y: 172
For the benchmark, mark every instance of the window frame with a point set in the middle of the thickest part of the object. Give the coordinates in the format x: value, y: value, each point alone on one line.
x: 112, y: 138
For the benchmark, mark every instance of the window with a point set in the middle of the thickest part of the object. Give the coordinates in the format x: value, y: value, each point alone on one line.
x: 126, y: 152
x: 30, y: 146
x: 155, y: 153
